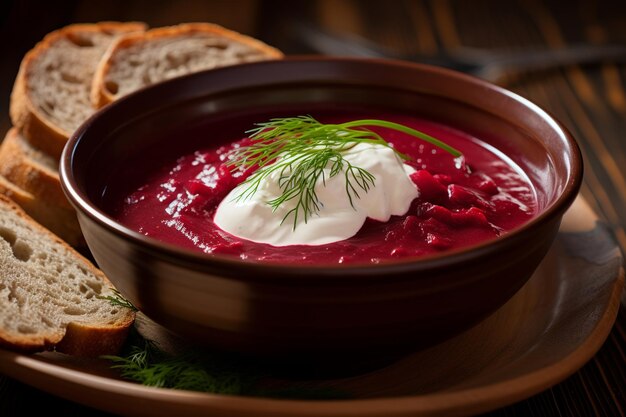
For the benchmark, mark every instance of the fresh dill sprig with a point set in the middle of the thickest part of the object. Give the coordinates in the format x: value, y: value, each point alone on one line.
x: 146, y: 364
x: 200, y: 370
x: 118, y: 300
x: 299, y: 149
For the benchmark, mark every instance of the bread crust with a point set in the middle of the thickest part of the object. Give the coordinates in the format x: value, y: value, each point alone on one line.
x: 24, y: 114
x: 77, y: 338
x: 100, y: 95
x: 62, y: 221
x: 44, y: 134
x: 28, y: 174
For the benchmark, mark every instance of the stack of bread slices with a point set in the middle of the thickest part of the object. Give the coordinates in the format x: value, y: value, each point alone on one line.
x: 51, y: 297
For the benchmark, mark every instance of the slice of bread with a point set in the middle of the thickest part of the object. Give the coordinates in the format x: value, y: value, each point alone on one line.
x: 50, y: 296
x: 60, y: 220
x: 137, y: 60
x: 50, y: 97
x: 31, y: 170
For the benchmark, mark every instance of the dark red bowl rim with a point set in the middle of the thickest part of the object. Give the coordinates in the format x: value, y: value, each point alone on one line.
x: 196, y: 260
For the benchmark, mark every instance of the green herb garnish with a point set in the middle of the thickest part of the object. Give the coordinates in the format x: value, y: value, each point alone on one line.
x: 208, y: 371
x: 146, y: 364
x: 118, y: 300
x: 300, y: 148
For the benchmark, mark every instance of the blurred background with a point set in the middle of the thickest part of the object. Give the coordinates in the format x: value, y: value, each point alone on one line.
x: 399, y: 28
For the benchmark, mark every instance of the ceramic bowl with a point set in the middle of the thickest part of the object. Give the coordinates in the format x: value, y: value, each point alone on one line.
x: 289, y: 310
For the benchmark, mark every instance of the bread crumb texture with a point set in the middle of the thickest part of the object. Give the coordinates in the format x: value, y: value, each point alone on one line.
x: 148, y: 61
x: 45, y: 286
x: 62, y: 74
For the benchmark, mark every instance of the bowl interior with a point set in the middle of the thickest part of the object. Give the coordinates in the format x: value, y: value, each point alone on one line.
x: 149, y: 128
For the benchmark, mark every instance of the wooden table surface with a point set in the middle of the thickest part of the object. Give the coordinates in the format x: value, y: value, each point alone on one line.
x: 589, y: 100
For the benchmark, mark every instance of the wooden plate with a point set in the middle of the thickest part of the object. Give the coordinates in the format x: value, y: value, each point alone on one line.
x: 547, y: 331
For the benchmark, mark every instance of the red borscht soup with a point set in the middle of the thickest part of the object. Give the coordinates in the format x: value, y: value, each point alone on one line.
x: 457, y: 205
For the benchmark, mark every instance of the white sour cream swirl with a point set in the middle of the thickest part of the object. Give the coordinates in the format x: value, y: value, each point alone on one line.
x: 254, y: 219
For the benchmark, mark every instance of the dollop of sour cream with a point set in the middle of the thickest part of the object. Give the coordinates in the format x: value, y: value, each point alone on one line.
x: 337, y: 219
